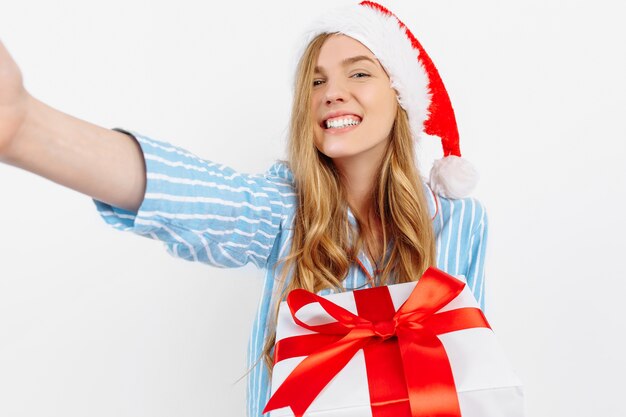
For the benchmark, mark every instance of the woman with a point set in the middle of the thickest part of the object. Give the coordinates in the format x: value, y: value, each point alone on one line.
x: 348, y: 210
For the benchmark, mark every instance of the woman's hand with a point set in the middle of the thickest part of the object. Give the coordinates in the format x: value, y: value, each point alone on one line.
x: 13, y: 100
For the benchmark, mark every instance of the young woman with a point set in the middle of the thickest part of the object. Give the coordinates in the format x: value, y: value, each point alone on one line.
x: 347, y: 210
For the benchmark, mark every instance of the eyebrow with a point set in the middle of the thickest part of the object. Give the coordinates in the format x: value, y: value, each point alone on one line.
x: 349, y: 61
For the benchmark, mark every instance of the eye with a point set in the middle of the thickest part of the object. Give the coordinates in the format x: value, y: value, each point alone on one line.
x: 360, y: 75
x: 317, y: 82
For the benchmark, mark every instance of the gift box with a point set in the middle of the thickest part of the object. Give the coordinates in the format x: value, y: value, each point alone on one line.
x: 407, y: 350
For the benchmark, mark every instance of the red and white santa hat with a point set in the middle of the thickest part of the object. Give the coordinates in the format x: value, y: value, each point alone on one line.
x: 419, y: 87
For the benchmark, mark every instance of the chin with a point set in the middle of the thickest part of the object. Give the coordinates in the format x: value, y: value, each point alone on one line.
x: 335, y: 150
x: 333, y: 154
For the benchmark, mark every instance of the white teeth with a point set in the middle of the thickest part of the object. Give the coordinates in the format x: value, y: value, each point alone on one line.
x: 339, y: 123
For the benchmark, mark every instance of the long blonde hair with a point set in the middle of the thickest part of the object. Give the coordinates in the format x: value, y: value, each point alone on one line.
x: 324, y: 245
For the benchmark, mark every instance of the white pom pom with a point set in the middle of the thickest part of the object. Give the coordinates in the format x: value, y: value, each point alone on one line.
x: 453, y: 177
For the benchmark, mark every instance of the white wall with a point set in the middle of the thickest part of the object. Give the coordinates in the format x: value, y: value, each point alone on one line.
x: 98, y: 322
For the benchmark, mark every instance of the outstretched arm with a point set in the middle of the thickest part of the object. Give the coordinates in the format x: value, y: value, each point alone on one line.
x: 104, y: 164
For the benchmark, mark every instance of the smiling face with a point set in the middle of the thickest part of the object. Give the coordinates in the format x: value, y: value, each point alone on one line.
x: 353, y: 103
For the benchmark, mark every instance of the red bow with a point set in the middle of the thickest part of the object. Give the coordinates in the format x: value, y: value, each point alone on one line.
x: 407, y: 366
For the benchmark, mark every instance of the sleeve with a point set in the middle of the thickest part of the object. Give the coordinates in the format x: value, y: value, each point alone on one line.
x: 203, y: 211
x: 477, y: 248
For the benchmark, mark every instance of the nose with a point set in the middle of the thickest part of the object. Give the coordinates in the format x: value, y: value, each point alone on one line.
x: 336, y: 91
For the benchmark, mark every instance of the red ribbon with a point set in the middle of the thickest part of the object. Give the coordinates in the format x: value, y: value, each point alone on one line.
x: 408, y: 370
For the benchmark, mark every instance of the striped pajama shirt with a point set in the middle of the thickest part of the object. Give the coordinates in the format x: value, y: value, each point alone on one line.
x: 206, y: 212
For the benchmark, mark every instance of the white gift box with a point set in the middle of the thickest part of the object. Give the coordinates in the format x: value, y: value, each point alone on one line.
x: 485, y: 383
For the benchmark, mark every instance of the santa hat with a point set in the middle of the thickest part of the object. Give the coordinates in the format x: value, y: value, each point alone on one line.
x: 419, y: 87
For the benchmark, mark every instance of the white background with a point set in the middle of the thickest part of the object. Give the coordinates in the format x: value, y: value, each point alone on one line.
x: 102, y: 323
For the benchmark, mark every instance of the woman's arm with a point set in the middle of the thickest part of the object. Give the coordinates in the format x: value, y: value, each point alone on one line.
x: 104, y: 164
x: 201, y: 210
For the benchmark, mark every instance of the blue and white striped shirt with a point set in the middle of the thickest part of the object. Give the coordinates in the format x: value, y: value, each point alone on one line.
x: 209, y: 213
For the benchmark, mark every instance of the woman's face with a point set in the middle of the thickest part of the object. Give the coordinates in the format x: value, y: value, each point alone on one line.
x: 353, y: 104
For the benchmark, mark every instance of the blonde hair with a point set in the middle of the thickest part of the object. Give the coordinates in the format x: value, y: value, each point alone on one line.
x: 324, y: 244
